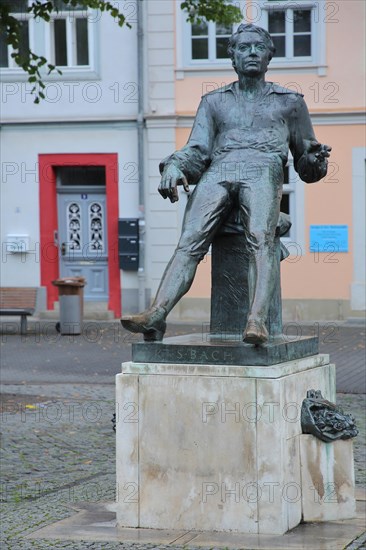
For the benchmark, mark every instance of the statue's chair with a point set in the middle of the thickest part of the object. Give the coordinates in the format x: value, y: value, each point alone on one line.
x: 229, y: 289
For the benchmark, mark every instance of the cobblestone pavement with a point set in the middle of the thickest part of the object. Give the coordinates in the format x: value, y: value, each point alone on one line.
x: 58, y: 448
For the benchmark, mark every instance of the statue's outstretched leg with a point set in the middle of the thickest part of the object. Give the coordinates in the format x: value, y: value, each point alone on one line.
x: 176, y: 281
x: 150, y: 323
x: 206, y: 209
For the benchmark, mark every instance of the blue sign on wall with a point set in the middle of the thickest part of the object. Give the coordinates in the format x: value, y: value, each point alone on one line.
x: 329, y: 238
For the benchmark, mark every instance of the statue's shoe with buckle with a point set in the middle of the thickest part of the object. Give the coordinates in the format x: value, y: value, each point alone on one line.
x: 255, y: 333
x: 150, y: 323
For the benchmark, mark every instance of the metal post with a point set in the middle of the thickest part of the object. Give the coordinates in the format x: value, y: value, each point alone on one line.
x: 141, y: 156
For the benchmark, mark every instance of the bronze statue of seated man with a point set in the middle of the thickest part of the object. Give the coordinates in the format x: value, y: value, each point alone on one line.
x: 236, y: 155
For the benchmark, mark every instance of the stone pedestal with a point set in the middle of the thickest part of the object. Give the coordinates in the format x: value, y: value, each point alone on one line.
x: 213, y: 447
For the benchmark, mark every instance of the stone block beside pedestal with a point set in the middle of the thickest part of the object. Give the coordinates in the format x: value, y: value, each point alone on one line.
x: 328, y: 483
x: 215, y: 447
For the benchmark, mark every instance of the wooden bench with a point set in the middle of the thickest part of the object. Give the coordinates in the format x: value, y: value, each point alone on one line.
x: 18, y: 301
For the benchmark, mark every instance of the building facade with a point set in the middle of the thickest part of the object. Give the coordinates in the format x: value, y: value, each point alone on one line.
x: 80, y: 169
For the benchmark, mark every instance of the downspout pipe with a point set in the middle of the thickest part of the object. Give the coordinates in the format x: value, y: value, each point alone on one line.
x: 140, y: 153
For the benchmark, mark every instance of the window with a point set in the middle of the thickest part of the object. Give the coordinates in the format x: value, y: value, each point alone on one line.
x: 209, y: 41
x: 292, y: 203
x: 204, y: 43
x: 67, y: 41
x: 297, y: 28
x: 78, y: 176
x: 19, y: 11
x: 69, y: 37
x: 293, y: 27
x: 288, y: 197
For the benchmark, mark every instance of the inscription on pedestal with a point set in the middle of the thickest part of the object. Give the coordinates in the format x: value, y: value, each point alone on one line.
x: 204, y: 350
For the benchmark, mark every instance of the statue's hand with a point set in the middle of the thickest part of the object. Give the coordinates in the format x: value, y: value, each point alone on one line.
x: 318, y: 153
x: 313, y: 164
x: 170, y: 179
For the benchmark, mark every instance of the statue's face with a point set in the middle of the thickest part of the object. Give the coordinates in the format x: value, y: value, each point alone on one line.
x: 251, y: 54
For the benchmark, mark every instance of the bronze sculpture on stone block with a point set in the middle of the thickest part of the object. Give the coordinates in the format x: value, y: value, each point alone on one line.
x: 325, y: 420
x: 236, y: 155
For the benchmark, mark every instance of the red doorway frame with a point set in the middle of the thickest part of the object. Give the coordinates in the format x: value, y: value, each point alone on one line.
x: 49, y: 222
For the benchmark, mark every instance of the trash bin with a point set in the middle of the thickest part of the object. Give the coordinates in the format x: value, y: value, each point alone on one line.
x: 71, y: 300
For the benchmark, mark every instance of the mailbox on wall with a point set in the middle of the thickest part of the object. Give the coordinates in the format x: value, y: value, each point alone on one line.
x: 128, y: 244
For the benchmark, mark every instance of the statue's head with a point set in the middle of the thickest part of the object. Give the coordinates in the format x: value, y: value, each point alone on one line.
x: 246, y: 29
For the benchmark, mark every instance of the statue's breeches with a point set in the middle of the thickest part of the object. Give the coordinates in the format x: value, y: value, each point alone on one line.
x: 258, y: 199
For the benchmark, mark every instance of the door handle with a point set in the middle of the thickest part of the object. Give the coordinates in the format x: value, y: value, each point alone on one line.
x: 63, y: 249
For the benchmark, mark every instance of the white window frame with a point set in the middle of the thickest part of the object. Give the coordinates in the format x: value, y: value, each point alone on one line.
x: 44, y: 47
x: 317, y: 57
x: 70, y: 16
x: 31, y: 22
x: 184, y: 42
x: 295, y: 188
x: 186, y: 66
x: 211, y: 46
